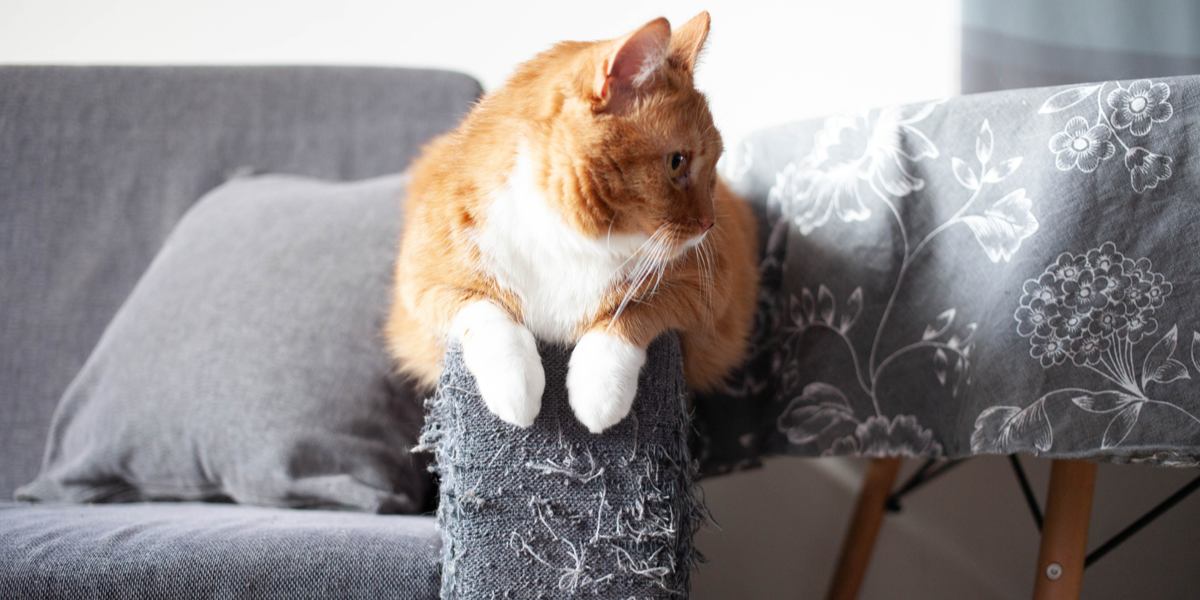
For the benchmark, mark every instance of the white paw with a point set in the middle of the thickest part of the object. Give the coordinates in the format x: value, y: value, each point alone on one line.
x: 602, y: 379
x: 503, y: 357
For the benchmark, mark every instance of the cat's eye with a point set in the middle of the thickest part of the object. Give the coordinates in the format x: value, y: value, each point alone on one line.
x: 676, y: 164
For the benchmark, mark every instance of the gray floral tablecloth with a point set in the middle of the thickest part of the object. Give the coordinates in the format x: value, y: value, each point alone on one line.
x: 999, y: 273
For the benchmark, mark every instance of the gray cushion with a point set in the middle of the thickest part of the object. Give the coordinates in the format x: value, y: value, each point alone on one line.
x: 214, y: 551
x: 248, y: 362
x: 97, y: 164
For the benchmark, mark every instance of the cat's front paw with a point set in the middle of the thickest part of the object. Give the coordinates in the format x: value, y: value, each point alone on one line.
x: 503, y: 357
x: 602, y: 379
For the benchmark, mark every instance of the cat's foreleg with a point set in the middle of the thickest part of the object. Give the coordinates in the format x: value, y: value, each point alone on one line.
x: 602, y: 378
x: 503, y: 357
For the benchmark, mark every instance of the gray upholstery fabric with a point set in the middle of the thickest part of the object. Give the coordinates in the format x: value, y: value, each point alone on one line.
x: 173, y: 550
x: 554, y: 511
x: 249, y: 363
x: 99, y: 163
x: 998, y: 273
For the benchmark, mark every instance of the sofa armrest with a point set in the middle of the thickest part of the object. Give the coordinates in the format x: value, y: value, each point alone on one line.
x: 554, y: 510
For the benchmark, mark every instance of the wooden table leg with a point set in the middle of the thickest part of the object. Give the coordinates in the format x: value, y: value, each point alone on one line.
x: 1064, y: 533
x: 864, y: 528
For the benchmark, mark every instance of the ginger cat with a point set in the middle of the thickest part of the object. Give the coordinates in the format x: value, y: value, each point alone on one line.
x: 578, y: 204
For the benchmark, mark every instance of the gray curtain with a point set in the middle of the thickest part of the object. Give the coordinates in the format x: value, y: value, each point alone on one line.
x: 1027, y: 43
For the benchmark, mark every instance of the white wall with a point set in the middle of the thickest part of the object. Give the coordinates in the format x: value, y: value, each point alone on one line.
x: 767, y: 61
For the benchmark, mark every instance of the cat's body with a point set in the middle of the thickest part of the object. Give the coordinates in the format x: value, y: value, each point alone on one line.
x: 578, y: 204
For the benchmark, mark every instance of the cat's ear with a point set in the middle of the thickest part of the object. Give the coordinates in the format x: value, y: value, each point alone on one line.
x: 629, y: 63
x: 688, y: 41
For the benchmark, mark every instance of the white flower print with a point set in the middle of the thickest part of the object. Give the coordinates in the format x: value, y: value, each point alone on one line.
x: 1080, y: 146
x: 1140, y: 106
x: 873, y: 325
x: 1009, y: 429
x: 877, y: 436
x: 1068, y: 267
x: 1092, y: 308
x: 1001, y: 228
x: 1084, y: 145
x: 819, y: 413
x: 1146, y: 168
x: 851, y: 158
x: 818, y: 410
x: 1081, y: 302
x: 812, y: 197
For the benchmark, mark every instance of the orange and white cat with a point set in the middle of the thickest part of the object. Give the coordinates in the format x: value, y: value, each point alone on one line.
x: 578, y: 204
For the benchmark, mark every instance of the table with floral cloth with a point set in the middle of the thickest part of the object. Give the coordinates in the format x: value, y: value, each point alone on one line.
x: 1008, y: 272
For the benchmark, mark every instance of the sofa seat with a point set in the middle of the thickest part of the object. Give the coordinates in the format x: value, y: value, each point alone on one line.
x: 176, y: 550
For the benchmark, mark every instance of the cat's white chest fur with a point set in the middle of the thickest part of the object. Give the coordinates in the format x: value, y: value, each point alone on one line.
x: 559, y: 275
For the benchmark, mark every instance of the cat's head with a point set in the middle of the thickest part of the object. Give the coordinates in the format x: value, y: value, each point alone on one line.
x: 633, y: 140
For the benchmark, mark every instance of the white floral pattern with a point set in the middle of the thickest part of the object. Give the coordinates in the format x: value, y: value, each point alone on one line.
x: 1140, y: 106
x: 877, y: 436
x: 1080, y: 146
x: 853, y: 157
x: 899, y: 247
x: 820, y: 413
x: 1134, y: 109
x: 1146, y: 168
x: 1092, y: 309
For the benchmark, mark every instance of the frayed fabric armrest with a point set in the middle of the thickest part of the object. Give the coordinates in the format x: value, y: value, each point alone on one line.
x: 554, y: 511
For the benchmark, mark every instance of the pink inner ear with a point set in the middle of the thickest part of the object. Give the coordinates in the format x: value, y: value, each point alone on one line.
x: 640, y: 54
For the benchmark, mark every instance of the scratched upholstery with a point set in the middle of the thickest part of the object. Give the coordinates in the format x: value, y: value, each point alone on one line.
x: 555, y: 511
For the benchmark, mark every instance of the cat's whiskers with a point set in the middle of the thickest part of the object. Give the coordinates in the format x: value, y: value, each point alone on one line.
x: 654, y: 257
x: 649, y: 254
x: 643, y: 262
x: 706, y: 263
x: 637, y: 253
x: 660, y: 263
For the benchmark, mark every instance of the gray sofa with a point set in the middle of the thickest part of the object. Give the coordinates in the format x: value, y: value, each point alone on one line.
x: 98, y: 165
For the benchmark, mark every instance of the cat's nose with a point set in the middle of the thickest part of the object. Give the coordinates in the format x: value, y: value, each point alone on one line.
x: 704, y: 223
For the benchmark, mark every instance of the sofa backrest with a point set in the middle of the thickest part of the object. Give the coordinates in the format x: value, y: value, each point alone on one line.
x: 98, y: 163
